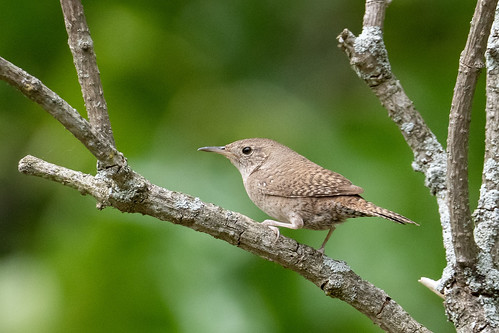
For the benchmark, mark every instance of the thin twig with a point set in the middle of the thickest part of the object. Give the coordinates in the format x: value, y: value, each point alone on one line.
x: 470, y: 65
x: 82, y: 47
x: 432, y: 285
x: 35, y: 90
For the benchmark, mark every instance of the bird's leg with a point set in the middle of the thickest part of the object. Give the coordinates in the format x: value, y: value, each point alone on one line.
x: 330, y: 232
x: 295, y: 222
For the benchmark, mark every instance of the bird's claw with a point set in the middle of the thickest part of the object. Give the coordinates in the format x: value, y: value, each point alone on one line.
x: 274, y: 229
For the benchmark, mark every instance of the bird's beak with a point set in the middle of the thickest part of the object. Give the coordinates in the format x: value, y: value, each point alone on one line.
x: 214, y: 149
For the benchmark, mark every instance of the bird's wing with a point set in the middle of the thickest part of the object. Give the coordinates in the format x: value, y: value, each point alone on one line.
x: 304, y: 180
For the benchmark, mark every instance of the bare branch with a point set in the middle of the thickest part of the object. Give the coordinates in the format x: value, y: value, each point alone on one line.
x: 335, y: 278
x: 470, y: 65
x: 35, y: 90
x: 82, y: 47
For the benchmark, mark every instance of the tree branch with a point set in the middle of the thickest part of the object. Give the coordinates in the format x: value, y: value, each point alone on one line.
x: 335, y: 278
x: 491, y: 181
x: 82, y: 47
x: 486, y: 215
x: 470, y: 65
x: 36, y: 91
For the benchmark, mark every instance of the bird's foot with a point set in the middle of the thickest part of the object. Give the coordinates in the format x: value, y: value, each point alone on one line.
x: 270, y: 224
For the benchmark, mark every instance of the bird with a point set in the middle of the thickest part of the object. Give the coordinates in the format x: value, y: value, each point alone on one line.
x: 296, y: 192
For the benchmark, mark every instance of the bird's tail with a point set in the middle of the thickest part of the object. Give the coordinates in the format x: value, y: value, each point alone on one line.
x: 389, y: 215
x: 367, y: 208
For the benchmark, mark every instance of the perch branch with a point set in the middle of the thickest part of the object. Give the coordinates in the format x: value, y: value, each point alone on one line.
x: 335, y: 278
x: 36, y: 91
x: 470, y: 65
x: 82, y: 47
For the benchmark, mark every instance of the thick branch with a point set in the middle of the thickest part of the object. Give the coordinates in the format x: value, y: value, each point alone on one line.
x: 334, y: 277
x: 82, y: 48
x: 470, y: 65
x: 35, y: 90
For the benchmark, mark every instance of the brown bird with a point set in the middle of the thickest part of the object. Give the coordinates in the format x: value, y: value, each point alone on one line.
x: 294, y: 190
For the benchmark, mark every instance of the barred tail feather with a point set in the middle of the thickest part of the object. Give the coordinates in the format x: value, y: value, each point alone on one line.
x: 366, y: 208
x: 392, y: 216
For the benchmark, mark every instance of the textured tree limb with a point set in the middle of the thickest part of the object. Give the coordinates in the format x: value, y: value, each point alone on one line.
x: 470, y: 65
x: 82, y: 47
x: 335, y: 278
x: 36, y: 91
x: 475, y: 309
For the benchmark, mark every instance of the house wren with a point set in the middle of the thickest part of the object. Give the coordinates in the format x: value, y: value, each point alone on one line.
x: 295, y: 191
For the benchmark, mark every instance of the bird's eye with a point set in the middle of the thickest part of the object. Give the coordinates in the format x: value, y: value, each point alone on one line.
x: 247, y: 150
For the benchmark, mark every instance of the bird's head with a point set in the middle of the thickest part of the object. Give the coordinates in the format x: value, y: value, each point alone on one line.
x: 248, y: 155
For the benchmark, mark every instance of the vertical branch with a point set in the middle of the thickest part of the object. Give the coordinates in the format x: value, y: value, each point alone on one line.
x: 470, y: 64
x: 490, y: 177
x: 374, y: 16
x: 82, y: 47
x: 486, y: 217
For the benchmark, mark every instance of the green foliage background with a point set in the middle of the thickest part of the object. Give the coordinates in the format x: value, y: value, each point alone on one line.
x: 179, y: 75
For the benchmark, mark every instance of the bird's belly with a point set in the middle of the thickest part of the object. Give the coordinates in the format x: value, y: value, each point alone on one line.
x: 317, y: 213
